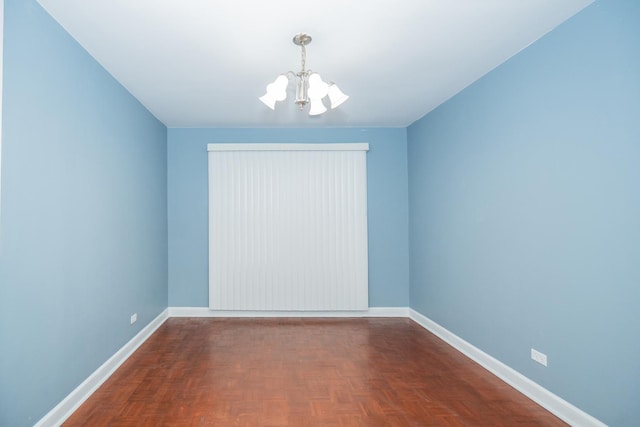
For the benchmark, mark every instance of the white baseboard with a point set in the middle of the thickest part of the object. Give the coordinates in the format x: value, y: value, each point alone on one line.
x: 554, y: 404
x: 64, y: 409
x: 206, y: 312
x: 388, y: 312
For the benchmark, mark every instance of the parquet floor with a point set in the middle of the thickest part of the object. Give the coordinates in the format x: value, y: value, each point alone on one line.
x: 303, y: 372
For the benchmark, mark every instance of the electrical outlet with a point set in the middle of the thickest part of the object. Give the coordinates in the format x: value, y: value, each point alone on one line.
x: 134, y: 317
x: 541, y: 358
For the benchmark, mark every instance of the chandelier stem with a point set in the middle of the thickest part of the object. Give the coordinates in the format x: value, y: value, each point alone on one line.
x: 301, y: 90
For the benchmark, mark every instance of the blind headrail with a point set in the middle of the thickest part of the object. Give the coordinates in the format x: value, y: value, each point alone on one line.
x: 359, y: 146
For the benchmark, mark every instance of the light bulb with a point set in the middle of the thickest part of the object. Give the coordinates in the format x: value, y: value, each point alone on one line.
x: 268, y: 100
x: 276, y: 91
x: 317, y: 88
x: 317, y: 107
x: 336, y: 96
x: 280, y: 87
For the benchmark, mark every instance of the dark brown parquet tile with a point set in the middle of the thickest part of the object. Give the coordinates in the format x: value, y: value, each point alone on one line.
x: 303, y: 372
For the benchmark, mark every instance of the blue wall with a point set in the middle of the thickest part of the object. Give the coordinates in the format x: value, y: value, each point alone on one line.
x: 525, y: 212
x: 84, y: 231
x: 387, y: 204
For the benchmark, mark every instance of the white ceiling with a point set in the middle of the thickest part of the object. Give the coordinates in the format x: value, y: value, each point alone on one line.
x: 204, y: 63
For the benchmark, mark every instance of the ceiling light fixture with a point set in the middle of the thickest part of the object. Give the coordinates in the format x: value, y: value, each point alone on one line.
x: 310, y: 89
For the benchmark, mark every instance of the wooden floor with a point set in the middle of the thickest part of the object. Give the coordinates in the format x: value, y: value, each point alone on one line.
x: 303, y: 372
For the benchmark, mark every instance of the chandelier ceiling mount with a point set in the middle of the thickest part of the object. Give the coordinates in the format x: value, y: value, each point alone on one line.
x: 302, y: 39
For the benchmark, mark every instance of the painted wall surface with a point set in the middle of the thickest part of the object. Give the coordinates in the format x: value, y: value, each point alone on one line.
x: 387, y: 207
x: 83, y: 243
x: 525, y: 212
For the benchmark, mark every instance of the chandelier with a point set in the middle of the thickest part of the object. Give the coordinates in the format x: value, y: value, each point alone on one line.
x: 310, y: 89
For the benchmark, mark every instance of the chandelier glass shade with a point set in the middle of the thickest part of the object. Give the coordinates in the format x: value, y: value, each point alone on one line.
x: 310, y: 88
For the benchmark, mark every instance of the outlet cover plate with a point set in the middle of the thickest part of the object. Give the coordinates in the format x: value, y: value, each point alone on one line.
x: 541, y: 358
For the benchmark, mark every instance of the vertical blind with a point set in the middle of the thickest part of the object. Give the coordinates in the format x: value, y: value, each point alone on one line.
x: 288, y: 227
